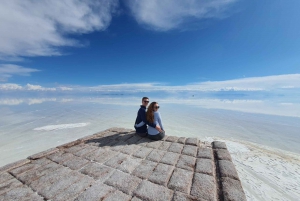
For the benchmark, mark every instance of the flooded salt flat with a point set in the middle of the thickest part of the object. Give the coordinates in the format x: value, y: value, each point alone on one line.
x: 265, y: 147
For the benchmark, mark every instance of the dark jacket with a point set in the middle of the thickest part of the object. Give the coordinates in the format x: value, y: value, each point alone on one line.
x: 141, y: 116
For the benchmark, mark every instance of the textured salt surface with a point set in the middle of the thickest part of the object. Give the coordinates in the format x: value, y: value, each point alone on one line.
x: 266, y: 173
x: 69, y: 172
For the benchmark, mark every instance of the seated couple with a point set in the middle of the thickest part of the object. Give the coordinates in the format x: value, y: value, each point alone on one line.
x: 151, y: 118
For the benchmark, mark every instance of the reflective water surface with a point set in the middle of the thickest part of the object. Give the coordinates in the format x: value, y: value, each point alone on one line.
x: 262, y: 135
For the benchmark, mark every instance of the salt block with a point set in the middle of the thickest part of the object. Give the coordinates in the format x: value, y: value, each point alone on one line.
x: 13, y: 165
x: 155, y: 155
x: 20, y: 193
x: 181, y: 140
x: 31, y: 175
x: 75, y: 163
x: 48, y: 179
x: 41, y: 161
x: 135, y: 199
x: 204, y: 187
x: 150, y: 191
x: 130, y: 149
x: 115, y: 161
x: 186, y: 162
x: 75, y: 148
x: 60, y: 157
x: 120, y: 145
x: 87, y: 149
x: 97, y: 171
x: 23, y: 168
x: 154, y: 144
x: 9, y: 185
x: 172, y: 139
x: 190, y: 150
x: 227, y: 169
x: 176, y: 147
x: 170, y: 158
x: 161, y: 174
x: 145, y: 169
x: 178, y: 196
x: 223, y: 154
x: 75, y: 189
x: 96, y: 153
x: 134, y: 139
x: 43, y: 153
x: 205, y: 153
x: 123, y: 181
x: 142, y: 152
x: 117, y: 196
x: 205, y: 166
x: 232, y: 190
x: 52, y: 190
x: 95, y: 193
x: 109, y: 144
x: 219, y: 145
x: 143, y: 141
x: 129, y: 164
x: 181, y: 180
x: 165, y: 145
x: 5, y: 177
x: 105, y: 156
x: 192, y: 141
x: 125, y: 137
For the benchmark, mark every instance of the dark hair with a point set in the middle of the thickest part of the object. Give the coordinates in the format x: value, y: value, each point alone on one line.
x: 144, y: 98
x: 150, y: 112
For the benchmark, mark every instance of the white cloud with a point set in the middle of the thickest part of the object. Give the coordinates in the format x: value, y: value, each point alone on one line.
x: 39, y: 28
x: 9, y: 70
x: 265, y: 83
x: 253, y: 84
x: 31, y: 87
x: 65, y: 88
x: 168, y: 14
x: 10, y: 87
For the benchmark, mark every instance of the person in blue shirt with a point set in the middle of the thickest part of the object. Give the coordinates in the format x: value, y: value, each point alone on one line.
x: 141, y: 121
x: 153, y: 116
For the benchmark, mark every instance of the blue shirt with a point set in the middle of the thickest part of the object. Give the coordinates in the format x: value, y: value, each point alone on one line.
x: 157, y: 120
x: 140, y: 124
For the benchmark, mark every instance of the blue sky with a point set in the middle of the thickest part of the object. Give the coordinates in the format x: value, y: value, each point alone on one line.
x: 205, y: 45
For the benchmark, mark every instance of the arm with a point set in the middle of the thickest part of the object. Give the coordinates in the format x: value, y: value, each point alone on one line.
x: 159, y: 121
x: 143, y: 116
x: 140, y: 124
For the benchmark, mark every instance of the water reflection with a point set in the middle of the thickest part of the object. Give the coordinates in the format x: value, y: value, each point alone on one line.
x: 260, y: 133
x: 260, y: 106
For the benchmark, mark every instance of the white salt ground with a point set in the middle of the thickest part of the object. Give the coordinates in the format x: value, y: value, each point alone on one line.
x: 266, y: 173
x: 60, y: 126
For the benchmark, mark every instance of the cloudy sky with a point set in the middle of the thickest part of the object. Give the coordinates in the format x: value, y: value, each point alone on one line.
x: 107, y: 45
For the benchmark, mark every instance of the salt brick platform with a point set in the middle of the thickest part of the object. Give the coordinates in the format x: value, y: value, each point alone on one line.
x: 116, y: 164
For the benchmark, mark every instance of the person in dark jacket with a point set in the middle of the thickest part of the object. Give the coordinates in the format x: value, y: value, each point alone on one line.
x: 141, y: 121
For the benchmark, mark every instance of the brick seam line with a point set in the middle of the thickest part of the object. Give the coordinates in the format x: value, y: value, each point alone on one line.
x: 217, y: 175
x: 28, y: 185
x: 194, y: 173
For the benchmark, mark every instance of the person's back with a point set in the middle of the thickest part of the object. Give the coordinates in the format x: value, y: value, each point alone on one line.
x: 157, y: 120
x: 140, y: 126
x: 153, y: 116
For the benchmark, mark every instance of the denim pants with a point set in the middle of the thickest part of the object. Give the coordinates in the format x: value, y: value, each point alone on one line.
x: 158, y: 136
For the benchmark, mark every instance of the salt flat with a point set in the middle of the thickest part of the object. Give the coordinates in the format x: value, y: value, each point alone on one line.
x: 265, y: 148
